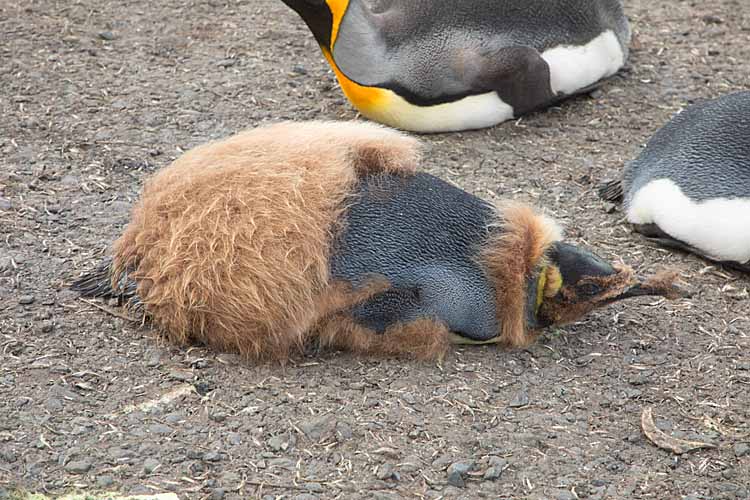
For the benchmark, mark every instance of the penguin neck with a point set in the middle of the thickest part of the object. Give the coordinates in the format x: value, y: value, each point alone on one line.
x: 514, y: 258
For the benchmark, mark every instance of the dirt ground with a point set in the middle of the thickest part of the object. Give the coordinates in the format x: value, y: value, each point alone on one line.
x: 97, y: 95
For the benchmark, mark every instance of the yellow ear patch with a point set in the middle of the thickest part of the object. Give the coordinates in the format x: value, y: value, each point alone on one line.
x: 554, y: 281
x: 338, y: 9
x: 548, y: 284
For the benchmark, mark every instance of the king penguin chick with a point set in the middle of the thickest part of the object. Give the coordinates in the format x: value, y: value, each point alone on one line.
x: 690, y: 186
x: 447, y: 65
x: 324, y: 234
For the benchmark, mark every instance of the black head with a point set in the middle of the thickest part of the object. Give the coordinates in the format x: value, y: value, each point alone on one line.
x: 575, y: 282
x: 318, y: 15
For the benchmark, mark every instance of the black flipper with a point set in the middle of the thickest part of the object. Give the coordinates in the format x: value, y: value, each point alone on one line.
x: 519, y: 75
x: 395, y: 305
x: 611, y: 191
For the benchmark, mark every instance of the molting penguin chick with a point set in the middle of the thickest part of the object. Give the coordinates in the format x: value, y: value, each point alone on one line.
x: 444, y: 65
x: 690, y: 187
x: 323, y: 233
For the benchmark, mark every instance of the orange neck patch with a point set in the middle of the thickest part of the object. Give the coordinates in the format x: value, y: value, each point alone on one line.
x: 338, y: 9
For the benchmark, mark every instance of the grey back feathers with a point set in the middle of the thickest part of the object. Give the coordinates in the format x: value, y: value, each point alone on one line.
x: 423, y: 235
x: 705, y: 150
x: 438, y: 50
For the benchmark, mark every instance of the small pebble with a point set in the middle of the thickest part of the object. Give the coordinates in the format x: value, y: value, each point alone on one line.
x: 150, y: 465
x: 457, y: 471
x: 386, y: 472
x: 5, y: 204
x: 521, y: 400
x: 26, y: 299
x: 160, y: 429
x: 742, y: 449
x: 217, y: 494
x: 106, y: 35
x: 212, y: 456
x: 78, y: 466
x: 105, y: 481
x: 565, y: 495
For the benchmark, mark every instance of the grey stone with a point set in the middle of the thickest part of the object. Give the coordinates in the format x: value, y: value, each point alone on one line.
x: 305, y: 496
x: 457, y: 471
x: 106, y: 35
x: 282, y: 442
x: 213, y: 456
x: 344, y: 431
x: 386, y: 472
x: 150, y: 465
x: 160, y: 429
x: 5, y: 204
x: 521, y: 399
x: 441, y: 462
x: 26, y: 299
x: 105, y: 481
x: 314, y: 487
x: 217, y: 494
x: 282, y: 463
x: 742, y: 449
x: 315, y: 429
x: 53, y: 405
x: 564, y: 495
x: 79, y: 466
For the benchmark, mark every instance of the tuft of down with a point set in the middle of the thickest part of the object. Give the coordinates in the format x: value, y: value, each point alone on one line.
x: 511, y: 257
x: 229, y: 245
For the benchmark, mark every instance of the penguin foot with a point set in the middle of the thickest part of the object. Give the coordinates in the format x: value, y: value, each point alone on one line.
x: 611, y: 191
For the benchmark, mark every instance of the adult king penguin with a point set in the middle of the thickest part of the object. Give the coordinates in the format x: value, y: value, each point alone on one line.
x: 690, y: 186
x: 324, y: 234
x: 447, y: 65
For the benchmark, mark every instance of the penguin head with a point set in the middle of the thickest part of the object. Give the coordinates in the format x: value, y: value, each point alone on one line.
x: 575, y: 282
x: 319, y: 15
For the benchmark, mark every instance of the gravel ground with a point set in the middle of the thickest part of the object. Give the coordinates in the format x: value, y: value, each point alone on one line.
x: 95, y: 96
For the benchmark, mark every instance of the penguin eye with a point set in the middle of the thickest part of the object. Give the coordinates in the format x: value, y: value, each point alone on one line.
x: 587, y: 289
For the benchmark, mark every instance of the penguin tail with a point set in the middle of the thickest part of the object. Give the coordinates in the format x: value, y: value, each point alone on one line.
x: 99, y: 283
x: 611, y: 191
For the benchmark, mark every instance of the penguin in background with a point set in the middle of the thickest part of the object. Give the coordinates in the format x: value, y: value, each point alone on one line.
x: 324, y: 234
x: 690, y: 186
x: 446, y: 65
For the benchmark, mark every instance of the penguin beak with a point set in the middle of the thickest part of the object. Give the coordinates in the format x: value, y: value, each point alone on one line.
x: 662, y: 284
x: 586, y: 282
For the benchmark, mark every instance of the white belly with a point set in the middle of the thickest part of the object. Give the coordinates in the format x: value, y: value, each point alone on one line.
x: 719, y: 227
x: 575, y: 67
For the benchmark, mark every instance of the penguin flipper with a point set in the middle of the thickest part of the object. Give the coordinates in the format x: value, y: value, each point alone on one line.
x: 611, y: 191
x: 518, y: 74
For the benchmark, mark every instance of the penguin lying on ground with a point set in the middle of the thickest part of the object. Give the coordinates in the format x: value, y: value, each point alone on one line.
x: 446, y: 65
x: 324, y: 233
x: 690, y: 187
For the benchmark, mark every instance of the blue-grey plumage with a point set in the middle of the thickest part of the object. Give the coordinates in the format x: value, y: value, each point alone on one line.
x: 690, y: 186
x: 440, y: 65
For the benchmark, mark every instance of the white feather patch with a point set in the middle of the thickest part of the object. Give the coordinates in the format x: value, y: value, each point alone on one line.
x: 719, y: 227
x: 574, y: 67
x: 472, y: 112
